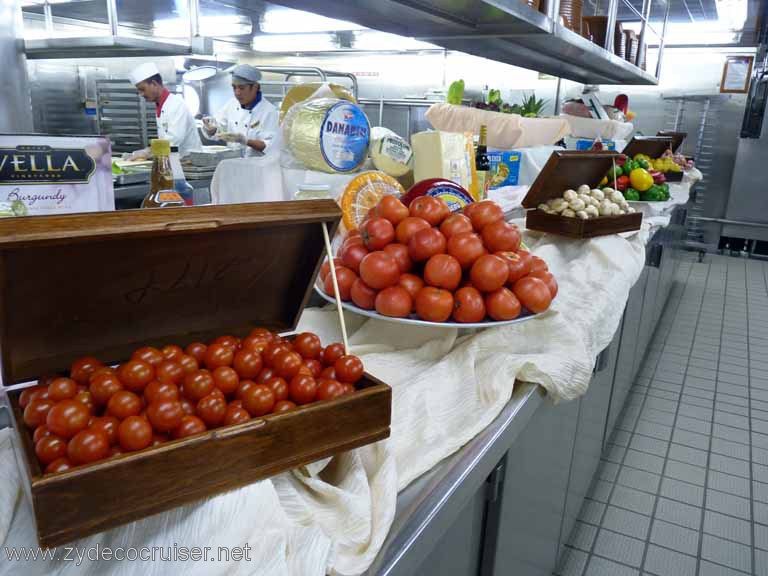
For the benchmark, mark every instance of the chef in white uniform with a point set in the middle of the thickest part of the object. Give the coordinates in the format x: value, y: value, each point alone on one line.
x: 174, y: 120
x: 248, y: 119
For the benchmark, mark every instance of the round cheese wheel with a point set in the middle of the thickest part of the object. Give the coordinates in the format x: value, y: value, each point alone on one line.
x: 327, y: 134
x: 454, y: 195
x: 392, y: 155
x: 363, y: 193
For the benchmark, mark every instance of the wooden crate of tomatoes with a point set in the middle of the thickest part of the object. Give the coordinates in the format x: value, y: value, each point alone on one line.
x: 440, y: 266
x: 160, y: 413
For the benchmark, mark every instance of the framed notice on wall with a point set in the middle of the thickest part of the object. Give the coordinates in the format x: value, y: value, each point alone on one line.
x: 737, y: 72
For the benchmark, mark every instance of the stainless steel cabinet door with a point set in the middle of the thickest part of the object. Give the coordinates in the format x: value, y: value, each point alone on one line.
x: 534, y: 491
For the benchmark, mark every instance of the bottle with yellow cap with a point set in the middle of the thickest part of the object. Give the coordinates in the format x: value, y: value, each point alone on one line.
x: 161, y: 192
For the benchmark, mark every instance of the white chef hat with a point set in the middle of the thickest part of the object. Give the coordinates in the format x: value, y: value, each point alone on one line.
x: 143, y: 71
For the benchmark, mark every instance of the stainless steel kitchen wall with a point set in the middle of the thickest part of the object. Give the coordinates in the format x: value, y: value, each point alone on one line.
x: 15, y: 104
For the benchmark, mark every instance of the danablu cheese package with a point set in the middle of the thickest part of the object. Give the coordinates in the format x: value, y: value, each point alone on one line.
x: 45, y: 175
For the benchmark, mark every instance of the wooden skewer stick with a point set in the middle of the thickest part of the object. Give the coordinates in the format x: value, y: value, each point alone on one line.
x: 329, y: 251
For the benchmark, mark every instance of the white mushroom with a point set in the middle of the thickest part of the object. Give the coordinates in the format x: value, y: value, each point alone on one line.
x: 577, y: 204
x: 615, y: 210
x: 631, y: 210
x: 605, y: 208
x: 607, y: 190
x: 568, y: 213
x: 583, y: 189
x: 582, y: 214
x: 597, y: 194
x: 558, y: 204
x: 570, y: 195
x: 594, y: 202
x: 592, y: 212
x: 616, y: 197
x: 585, y: 197
x: 544, y: 208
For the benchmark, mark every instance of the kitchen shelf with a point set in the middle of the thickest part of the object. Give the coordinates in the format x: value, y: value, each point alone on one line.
x: 507, y: 31
x: 111, y: 46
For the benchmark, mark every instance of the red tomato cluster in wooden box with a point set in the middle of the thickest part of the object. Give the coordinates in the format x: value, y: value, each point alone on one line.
x: 161, y: 394
x: 424, y: 259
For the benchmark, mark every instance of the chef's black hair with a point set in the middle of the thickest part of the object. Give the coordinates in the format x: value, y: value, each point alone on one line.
x: 157, y: 79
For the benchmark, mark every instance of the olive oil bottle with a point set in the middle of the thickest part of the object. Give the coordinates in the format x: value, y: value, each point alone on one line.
x: 161, y: 192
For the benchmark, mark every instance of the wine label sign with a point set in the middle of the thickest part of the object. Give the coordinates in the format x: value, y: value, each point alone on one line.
x: 42, y: 174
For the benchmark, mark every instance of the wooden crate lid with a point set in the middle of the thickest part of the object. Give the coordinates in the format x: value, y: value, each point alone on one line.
x: 103, y: 284
x: 652, y: 146
x: 677, y: 138
x: 568, y: 169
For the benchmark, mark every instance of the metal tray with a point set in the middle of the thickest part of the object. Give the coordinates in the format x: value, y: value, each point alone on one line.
x: 132, y: 178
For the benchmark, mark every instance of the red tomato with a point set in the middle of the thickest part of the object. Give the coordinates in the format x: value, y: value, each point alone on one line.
x: 483, y: 213
x: 284, y: 406
x: 468, y: 305
x: 244, y: 386
x: 26, y: 394
x: 135, y: 433
x: 226, y: 379
x: 288, y: 364
x: 272, y: 351
x: 235, y: 415
x: 412, y: 284
x: 88, y: 446
x: 501, y: 236
x: 315, y: 367
x: 489, y: 273
x: 136, y: 374
x: 519, y: 265
x: 326, y: 267
x: 247, y: 364
x: 108, y: 425
x: 190, y: 425
x: 36, y: 412
x: 172, y: 352
x: 103, y: 386
x: 82, y: 368
x: 198, y: 384
x: 533, y: 293
x: 165, y: 415
x: 122, y: 404
x: 443, y: 271
x: 188, y: 363
x: 329, y: 372
x: 50, y: 448
x: 349, y: 389
x: 219, y: 354
x: 228, y: 341
x: 59, y: 465
x: 259, y: 400
x: 456, y: 224
x: 377, y: 233
x: 430, y: 209
x: 157, y: 391
x: 466, y: 247
x: 394, y: 301
x: 169, y: 371
x: 392, y: 209
x: 502, y: 304
x: 379, y: 270
x: 187, y: 406
x: 425, y: 244
x: 345, y: 278
x: 148, y: 354
x: 197, y: 351
x: 279, y: 388
x: 61, y: 389
x: 265, y: 374
x: 349, y: 369
x: 86, y: 399
x: 331, y: 353
x: 99, y: 371
x: 363, y: 295
x: 308, y: 345
x: 40, y: 393
x: 434, y: 304
x: 256, y: 343
x: 302, y: 389
x: 212, y: 409
x: 41, y: 432
x: 408, y: 227
x: 329, y: 389
x: 400, y: 253
x: 158, y: 439
x: 538, y: 265
x: 351, y: 257
x: 549, y: 280
x: 263, y: 333
x: 67, y: 418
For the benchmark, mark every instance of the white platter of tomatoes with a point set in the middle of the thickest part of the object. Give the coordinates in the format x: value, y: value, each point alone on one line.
x: 422, y: 264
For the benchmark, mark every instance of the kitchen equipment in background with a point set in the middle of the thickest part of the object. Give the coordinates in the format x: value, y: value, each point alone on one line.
x: 124, y: 116
x: 570, y: 14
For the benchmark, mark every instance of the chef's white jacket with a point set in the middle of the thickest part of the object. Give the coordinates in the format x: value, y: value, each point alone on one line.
x: 177, y: 124
x: 260, y: 123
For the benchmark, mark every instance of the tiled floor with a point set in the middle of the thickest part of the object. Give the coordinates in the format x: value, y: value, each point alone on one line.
x: 682, y: 489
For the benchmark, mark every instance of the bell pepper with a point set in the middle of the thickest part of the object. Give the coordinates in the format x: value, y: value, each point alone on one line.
x: 654, y: 194
x: 622, y: 183
x: 631, y: 195
x: 642, y: 163
x: 642, y: 157
x: 640, y: 179
x: 604, y: 181
x: 615, y: 171
x: 629, y: 165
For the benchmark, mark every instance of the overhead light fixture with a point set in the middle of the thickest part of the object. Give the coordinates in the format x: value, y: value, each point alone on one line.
x: 289, y: 21
x: 372, y: 40
x: 294, y: 43
x: 200, y: 73
x: 223, y: 25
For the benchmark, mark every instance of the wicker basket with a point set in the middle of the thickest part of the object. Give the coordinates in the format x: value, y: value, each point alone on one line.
x: 535, y: 4
x: 570, y: 14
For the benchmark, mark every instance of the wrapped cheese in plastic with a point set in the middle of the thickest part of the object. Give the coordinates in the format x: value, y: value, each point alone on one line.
x: 448, y: 155
x: 327, y: 134
x: 390, y: 153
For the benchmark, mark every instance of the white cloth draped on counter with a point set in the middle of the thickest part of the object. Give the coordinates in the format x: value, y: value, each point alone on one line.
x: 252, y: 179
x: 447, y: 386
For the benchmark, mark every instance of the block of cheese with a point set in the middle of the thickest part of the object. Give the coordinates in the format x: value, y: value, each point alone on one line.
x: 392, y: 155
x: 446, y: 155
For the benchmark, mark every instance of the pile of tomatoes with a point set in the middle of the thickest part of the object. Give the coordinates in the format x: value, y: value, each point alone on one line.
x: 99, y: 412
x: 425, y: 260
